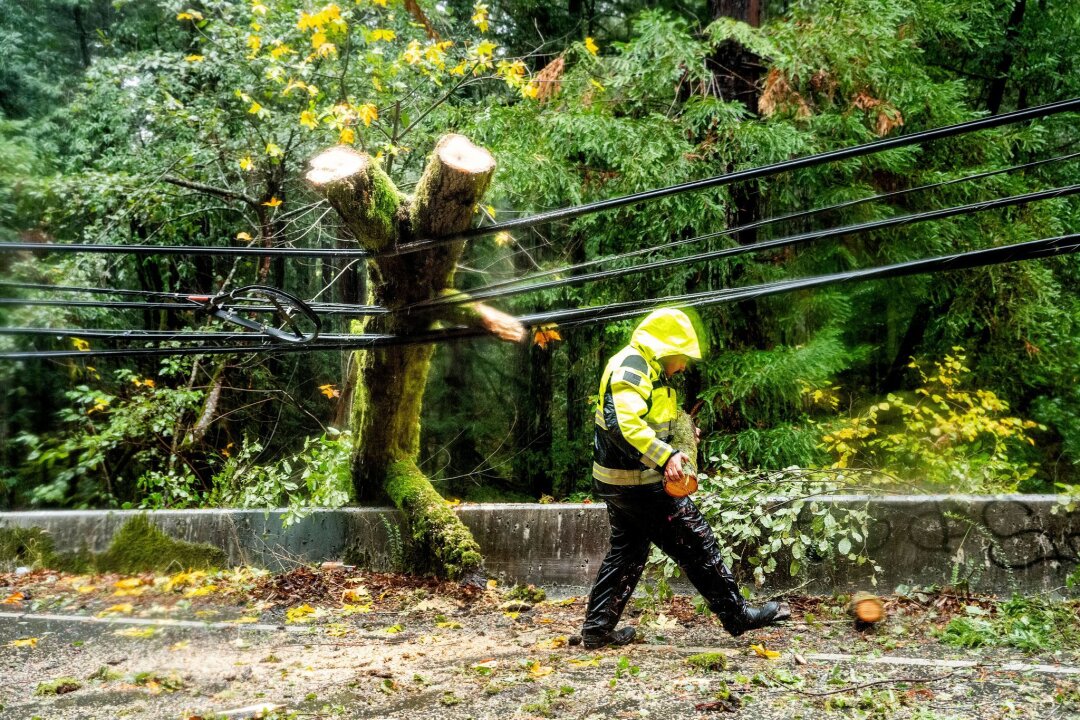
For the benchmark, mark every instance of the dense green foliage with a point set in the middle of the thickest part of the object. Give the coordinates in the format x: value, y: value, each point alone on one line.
x: 608, y: 99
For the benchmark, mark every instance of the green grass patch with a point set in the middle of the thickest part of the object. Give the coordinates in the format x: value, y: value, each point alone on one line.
x: 1031, y: 624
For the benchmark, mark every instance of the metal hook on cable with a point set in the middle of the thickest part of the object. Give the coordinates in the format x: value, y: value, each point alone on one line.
x: 302, y: 323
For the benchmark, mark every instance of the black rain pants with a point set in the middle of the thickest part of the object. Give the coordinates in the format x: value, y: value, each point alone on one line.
x: 644, y: 514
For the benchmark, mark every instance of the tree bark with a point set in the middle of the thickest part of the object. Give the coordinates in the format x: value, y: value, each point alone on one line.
x: 390, y: 381
x: 1001, y: 73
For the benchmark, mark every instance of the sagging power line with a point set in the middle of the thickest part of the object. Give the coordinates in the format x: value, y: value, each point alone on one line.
x: 183, y: 301
x: 1031, y: 250
x: 566, y: 213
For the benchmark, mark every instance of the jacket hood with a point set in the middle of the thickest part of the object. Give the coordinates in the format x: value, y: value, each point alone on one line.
x: 666, y: 332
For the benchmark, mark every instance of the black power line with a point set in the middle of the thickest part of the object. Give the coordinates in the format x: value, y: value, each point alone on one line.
x: 579, y: 210
x: 339, y: 309
x: 185, y: 301
x: 771, y: 244
x: 748, y: 226
x: 751, y: 173
x: 1035, y: 249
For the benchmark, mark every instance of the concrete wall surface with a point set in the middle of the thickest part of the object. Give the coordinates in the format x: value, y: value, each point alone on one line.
x: 998, y: 543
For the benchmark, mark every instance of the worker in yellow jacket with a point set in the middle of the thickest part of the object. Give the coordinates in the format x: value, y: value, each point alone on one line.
x: 635, y: 417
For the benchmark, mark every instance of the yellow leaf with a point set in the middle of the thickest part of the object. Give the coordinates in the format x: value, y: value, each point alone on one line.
x: 84, y: 589
x: 201, y: 591
x: 480, y: 17
x: 512, y: 615
x: 308, y: 119
x: 395, y: 629
x: 299, y: 614
x: 189, y: 14
x: 448, y: 625
x: 272, y: 202
x: 380, y: 34
x: 121, y: 609
x: 259, y: 9
x: 355, y: 595
x: 80, y: 344
x: 330, y: 392
x: 135, y: 632
x: 453, y: 501
x: 13, y: 599
x: 492, y: 584
x: 546, y: 334
x: 553, y: 643
x: 351, y: 609
x: 246, y: 620
x: 243, y: 236
x: 486, y: 49
x: 246, y: 164
x: 30, y: 642
x: 280, y: 49
x: 591, y: 46
x: 254, y: 42
x: 128, y: 583
x: 338, y: 630
x: 194, y: 58
x: 367, y: 113
x: 764, y: 652
x: 273, y: 150
x: 584, y: 662
x: 538, y: 671
x: 255, y: 107
x: 129, y: 592
x: 347, y: 136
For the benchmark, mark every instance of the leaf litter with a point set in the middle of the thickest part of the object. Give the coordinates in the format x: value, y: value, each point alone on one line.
x: 459, y: 642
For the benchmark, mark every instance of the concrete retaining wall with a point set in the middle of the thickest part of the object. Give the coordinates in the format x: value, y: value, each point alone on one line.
x: 999, y: 542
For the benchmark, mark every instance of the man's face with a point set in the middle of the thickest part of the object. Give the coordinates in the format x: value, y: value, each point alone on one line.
x: 674, y: 364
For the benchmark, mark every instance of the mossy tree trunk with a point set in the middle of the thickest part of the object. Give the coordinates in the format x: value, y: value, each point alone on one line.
x: 390, y: 381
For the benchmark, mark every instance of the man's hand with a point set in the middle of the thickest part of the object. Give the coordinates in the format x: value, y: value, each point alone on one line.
x: 673, y: 471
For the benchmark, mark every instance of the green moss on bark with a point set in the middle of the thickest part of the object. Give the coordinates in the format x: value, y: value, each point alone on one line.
x: 685, y: 439
x: 432, y: 523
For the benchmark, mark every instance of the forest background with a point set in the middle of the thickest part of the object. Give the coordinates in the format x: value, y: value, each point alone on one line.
x: 191, y: 123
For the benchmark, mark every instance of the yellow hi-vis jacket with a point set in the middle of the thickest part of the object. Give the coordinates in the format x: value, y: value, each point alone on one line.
x: 636, y: 410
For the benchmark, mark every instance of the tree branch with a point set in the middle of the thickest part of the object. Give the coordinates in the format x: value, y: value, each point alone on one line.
x: 211, y: 190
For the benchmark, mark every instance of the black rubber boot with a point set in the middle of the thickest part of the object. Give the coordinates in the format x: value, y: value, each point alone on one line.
x: 753, y: 618
x: 623, y: 636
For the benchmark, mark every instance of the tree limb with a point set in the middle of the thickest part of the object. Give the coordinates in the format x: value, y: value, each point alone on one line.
x: 211, y: 190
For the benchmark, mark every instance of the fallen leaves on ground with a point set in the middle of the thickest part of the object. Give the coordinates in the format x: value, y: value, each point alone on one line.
x: 30, y: 642
x: 762, y: 651
x: 137, y: 632
x: 301, y: 614
x: 120, y: 609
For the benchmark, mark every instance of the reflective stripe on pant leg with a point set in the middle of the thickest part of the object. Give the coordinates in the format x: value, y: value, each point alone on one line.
x: 684, y: 535
x: 619, y: 572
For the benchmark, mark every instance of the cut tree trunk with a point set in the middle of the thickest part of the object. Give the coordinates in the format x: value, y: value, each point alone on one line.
x: 390, y: 381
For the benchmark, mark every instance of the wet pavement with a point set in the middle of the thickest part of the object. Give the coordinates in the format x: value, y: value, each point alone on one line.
x: 355, y: 645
